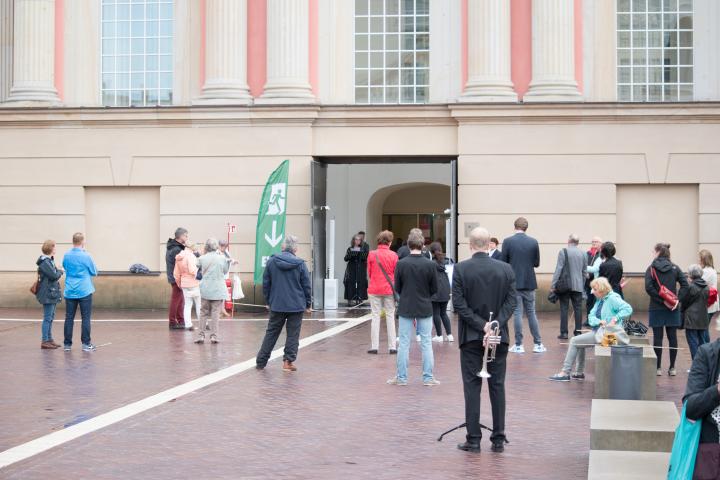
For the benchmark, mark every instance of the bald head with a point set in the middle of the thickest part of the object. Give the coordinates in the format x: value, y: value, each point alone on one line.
x: 597, y: 243
x: 479, y: 240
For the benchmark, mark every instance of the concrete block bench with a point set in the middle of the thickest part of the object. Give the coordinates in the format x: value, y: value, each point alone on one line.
x: 602, y: 373
x: 639, y: 340
x: 633, y: 425
x: 620, y: 465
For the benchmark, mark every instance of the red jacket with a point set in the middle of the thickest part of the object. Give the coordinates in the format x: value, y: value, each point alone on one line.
x: 378, y: 284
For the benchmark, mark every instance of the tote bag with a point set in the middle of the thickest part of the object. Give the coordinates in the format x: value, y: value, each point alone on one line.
x: 684, y: 449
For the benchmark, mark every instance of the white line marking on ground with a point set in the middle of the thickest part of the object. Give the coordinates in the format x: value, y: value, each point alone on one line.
x: 154, y: 320
x: 42, y: 444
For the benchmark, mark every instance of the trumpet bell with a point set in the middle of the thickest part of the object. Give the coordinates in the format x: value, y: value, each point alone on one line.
x: 484, y: 374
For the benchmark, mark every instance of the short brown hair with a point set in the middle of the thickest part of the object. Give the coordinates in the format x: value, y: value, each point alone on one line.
x: 521, y: 224
x: 78, y: 238
x: 706, y: 259
x: 385, y: 237
x: 494, y: 240
x: 47, y: 246
x: 663, y: 249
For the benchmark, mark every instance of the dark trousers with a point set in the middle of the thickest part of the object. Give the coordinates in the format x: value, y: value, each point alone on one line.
x: 471, y: 360
x: 71, y: 305
x: 658, y: 341
x: 695, y: 338
x: 565, y: 299
x: 440, y: 318
x: 590, y: 299
x: 292, y: 322
x: 176, y: 314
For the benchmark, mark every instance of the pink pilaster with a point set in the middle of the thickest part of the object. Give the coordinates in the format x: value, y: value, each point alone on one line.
x: 521, y: 44
x: 579, y: 44
x: 314, y: 45
x: 59, y: 66
x: 257, y: 46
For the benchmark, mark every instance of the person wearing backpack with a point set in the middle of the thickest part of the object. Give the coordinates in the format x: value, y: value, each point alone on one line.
x: 694, y: 310
x: 661, y: 280
x: 381, y: 265
x: 568, y: 283
x: 48, y: 292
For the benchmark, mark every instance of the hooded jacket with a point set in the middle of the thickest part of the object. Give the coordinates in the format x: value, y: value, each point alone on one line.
x: 701, y: 393
x: 48, y: 286
x: 669, y: 275
x: 443, y: 284
x: 286, y: 283
x: 186, y: 269
x: 173, y: 248
x: 694, y: 305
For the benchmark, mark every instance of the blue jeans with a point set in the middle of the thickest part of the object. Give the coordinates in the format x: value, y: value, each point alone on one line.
x: 71, y: 304
x: 406, y: 330
x: 48, y: 317
x: 526, y: 302
x: 695, y: 338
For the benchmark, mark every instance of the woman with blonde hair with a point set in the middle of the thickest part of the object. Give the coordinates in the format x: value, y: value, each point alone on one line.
x: 608, y: 313
x: 48, y: 291
x: 710, y: 276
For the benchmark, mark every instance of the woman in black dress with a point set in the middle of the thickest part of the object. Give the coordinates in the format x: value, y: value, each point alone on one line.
x: 611, y: 268
x: 356, y: 272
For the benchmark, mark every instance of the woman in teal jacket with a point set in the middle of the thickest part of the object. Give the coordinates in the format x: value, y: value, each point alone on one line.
x: 609, y: 311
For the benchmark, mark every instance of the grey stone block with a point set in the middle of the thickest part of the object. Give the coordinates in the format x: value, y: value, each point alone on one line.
x: 617, y: 465
x: 602, y: 373
x: 633, y: 425
x: 639, y: 341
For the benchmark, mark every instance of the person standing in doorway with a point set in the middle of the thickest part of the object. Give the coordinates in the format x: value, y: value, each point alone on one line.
x: 381, y: 266
x: 355, y: 280
x: 48, y: 293
x: 213, y: 290
x: 286, y: 286
x: 415, y: 283
x: 482, y: 288
x: 79, y: 269
x: 568, y: 283
x: 442, y: 297
x: 522, y: 252
x: 174, y: 246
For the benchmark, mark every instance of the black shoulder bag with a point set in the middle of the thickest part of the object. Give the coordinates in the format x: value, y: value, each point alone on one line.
x: 563, y: 283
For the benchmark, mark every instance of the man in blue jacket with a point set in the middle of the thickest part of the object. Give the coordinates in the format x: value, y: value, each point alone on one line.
x: 79, y: 270
x: 286, y: 286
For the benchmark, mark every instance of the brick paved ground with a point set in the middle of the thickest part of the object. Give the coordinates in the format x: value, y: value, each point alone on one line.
x: 334, y: 418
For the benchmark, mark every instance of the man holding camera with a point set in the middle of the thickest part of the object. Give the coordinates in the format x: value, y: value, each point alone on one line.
x: 482, y: 286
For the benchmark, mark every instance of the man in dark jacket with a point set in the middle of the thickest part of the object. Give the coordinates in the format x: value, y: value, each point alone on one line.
x: 522, y: 252
x: 286, y: 286
x: 177, y: 302
x: 694, y: 310
x: 481, y: 287
x: 415, y: 283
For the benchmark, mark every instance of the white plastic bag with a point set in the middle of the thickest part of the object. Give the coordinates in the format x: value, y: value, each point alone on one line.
x: 237, y: 293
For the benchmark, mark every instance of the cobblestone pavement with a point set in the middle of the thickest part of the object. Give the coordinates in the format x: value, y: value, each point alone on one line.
x: 334, y: 418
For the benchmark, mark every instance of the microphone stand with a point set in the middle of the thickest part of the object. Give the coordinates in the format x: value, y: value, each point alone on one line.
x: 458, y: 428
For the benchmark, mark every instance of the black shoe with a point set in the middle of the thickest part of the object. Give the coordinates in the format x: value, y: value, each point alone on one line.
x: 177, y: 326
x: 372, y: 351
x: 498, y: 446
x: 469, y: 447
x: 563, y: 336
x: 586, y: 324
x: 392, y: 351
x: 259, y: 367
x: 578, y: 376
x: 577, y: 332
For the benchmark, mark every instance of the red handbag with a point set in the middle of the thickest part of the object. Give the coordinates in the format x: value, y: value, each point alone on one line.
x: 668, y: 297
x: 712, y: 296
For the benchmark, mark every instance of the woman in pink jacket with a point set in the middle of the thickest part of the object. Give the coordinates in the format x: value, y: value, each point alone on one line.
x: 380, y: 290
x: 185, y: 274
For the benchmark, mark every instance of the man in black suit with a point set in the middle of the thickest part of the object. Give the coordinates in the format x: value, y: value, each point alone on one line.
x: 522, y: 252
x: 494, y: 252
x: 482, y: 285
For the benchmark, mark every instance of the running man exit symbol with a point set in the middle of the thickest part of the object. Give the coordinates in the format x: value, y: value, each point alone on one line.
x: 276, y: 205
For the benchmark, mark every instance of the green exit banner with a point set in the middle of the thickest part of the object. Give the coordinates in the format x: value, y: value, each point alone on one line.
x: 270, y: 230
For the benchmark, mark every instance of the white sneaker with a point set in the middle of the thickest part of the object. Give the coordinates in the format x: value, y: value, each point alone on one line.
x: 450, y: 338
x: 437, y: 339
x: 517, y: 349
x: 417, y: 337
x: 539, y: 348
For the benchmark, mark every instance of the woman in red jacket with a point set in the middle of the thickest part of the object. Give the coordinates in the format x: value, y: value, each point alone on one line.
x: 381, y: 272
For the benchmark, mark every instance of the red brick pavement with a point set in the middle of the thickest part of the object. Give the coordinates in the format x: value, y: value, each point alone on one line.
x: 334, y: 418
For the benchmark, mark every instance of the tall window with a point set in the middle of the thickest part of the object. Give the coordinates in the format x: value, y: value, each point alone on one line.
x: 137, y: 60
x: 392, y: 51
x: 654, y: 50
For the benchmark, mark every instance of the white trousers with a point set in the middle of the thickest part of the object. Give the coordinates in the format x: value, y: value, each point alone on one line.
x: 191, y: 296
x: 378, y: 303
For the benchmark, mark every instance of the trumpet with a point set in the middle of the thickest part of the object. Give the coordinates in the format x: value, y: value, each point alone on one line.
x: 489, y: 346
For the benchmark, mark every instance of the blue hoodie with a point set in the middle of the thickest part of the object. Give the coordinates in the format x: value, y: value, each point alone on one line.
x: 286, y: 283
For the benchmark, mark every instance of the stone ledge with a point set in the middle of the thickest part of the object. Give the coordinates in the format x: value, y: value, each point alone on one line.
x: 633, y: 425
x: 622, y: 465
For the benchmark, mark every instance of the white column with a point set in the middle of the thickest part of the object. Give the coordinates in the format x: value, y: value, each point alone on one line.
x: 34, y: 52
x: 488, y: 61
x: 6, y: 48
x: 553, y: 53
x: 225, y: 53
x: 288, y: 51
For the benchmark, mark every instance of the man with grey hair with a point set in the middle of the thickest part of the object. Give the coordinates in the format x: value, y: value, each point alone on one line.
x: 694, y: 310
x: 568, y: 283
x: 483, y: 289
x: 286, y: 286
x: 175, y: 245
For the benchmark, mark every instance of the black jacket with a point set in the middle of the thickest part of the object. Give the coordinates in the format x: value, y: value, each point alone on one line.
x: 48, y: 287
x: 404, y: 251
x: 482, y: 285
x: 701, y: 393
x: 522, y: 252
x: 416, y: 282
x: 286, y: 283
x: 669, y: 275
x: 173, y: 248
x: 497, y: 255
x: 694, y: 305
x: 443, y: 284
x: 612, y: 269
